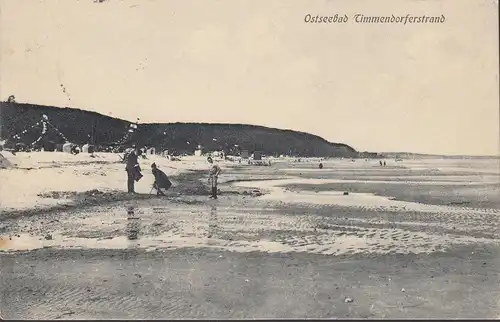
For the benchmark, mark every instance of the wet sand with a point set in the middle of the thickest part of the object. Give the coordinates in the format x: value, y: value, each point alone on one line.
x: 199, y: 283
x: 296, y: 251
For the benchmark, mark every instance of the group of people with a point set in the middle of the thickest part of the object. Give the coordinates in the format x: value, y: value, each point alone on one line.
x: 162, y: 182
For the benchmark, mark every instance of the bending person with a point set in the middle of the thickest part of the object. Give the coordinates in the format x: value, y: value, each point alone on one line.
x: 161, y: 180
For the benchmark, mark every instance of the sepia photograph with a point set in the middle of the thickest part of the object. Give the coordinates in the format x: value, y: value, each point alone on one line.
x: 239, y: 159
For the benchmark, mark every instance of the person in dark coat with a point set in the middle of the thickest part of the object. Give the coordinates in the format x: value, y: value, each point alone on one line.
x: 133, y: 170
x: 161, y: 180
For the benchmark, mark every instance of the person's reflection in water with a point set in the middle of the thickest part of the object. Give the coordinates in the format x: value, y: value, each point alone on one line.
x: 133, y: 229
x: 212, y: 222
x: 133, y: 225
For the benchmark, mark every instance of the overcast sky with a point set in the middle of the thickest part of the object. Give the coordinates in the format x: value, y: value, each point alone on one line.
x: 389, y: 87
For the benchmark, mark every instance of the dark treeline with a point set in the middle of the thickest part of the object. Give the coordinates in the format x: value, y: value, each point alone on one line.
x: 83, y: 127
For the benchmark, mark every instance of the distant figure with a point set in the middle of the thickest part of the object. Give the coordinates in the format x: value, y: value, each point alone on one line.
x: 161, y: 180
x: 321, y: 165
x: 75, y: 150
x: 213, y: 175
x: 380, y: 162
x: 133, y: 170
x: 384, y: 163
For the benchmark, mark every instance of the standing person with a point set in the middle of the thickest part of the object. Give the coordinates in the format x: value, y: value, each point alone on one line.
x: 161, y: 180
x: 213, y: 174
x: 133, y: 170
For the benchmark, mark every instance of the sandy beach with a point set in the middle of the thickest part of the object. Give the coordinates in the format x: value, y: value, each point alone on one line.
x: 357, y: 147
x: 414, y: 239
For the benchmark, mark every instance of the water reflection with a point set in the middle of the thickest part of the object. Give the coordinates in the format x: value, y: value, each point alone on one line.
x: 133, y: 224
x: 213, y: 225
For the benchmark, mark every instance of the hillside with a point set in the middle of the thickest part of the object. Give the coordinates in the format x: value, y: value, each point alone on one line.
x: 82, y: 127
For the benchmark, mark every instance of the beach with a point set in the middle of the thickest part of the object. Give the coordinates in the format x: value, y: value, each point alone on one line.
x: 414, y: 239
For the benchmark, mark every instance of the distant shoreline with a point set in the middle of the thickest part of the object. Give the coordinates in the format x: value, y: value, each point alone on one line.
x: 433, y: 156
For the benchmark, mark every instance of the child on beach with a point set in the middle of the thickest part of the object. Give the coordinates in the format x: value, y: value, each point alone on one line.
x: 213, y: 174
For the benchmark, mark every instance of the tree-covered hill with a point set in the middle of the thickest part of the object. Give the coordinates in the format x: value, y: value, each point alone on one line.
x: 80, y: 127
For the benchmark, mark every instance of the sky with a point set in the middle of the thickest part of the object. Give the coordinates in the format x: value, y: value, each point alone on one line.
x: 423, y: 88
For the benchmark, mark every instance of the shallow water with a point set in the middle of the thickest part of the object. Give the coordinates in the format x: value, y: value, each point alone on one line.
x: 232, y: 229
x: 354, y: 200
x: 262, y: 225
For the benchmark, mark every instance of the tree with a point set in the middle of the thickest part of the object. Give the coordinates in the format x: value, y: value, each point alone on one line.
x: 11, y: 99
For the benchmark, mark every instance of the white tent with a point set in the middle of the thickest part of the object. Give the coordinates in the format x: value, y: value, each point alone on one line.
x: 67, y: 147
x: 87, y: 148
